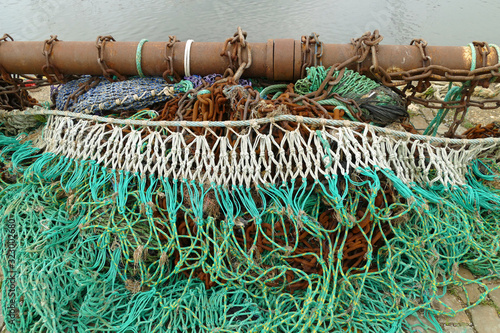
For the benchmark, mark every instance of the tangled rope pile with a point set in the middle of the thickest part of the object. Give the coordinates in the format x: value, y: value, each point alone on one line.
x: 228, y: 208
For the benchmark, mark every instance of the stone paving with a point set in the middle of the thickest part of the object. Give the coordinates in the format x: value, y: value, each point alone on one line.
x: 482, y: 318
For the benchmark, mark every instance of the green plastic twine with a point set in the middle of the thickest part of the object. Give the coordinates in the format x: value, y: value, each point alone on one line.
x: 138, y: 57
x: 453, y: 94
x: 272, y: 89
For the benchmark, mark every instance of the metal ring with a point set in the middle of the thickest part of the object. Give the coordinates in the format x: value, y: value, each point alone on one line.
x: 187, y: 57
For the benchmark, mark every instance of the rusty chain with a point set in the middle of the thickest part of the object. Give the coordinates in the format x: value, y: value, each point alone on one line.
x: 308, y: 251
x: 368, y: 42
x: 476, y: 76
x: 92, y: 82
x: 169, y: 60
x: 310, y: 58
x: 484, y: 50
x: 421, y: 44
x: 12, y: 88
x: 491, y: 130
x: 235, y: 48
x: 47, y: 48
x: 107, y: 72
x: 6, y: 76
x: 482, y: 75
x: 239, y: 46
x: 428, y: 71
x: 363, y: 45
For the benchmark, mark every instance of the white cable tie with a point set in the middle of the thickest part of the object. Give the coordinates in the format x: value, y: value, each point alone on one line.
x: 187, y: 57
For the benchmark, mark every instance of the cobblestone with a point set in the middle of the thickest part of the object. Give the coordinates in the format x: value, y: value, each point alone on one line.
x: 472, y: 289
x: 417, y: 326
x: 485, y: 319
x: 495, y: 297
x: 458, y: 329
x: 452, y: 302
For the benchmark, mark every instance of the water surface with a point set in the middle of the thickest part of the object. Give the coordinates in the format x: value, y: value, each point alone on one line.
x: 446, y: 22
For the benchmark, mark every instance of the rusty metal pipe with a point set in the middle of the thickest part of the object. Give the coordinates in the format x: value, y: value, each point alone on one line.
x: 276, y: 60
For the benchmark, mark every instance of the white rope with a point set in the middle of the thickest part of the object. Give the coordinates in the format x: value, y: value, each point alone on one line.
x: 328, y: 150
x: 37, y: 110
x: 187, y: 57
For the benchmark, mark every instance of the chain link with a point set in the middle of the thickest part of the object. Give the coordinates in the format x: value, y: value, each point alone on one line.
x: 5, y: 75
x: 49, y: 67
x: 238, y: 45
x: 169, y: 59
x: 11, y: 94
x: 310, y: 58
x: 107, y: 72
x: 367, y: 44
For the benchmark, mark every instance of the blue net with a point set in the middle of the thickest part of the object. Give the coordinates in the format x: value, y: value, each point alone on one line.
x: 133, y: 94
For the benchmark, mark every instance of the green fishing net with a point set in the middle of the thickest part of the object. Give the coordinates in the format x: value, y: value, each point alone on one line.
x: 126, y: 228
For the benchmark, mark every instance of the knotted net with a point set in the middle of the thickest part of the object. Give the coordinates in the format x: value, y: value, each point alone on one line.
x: 281, y: 223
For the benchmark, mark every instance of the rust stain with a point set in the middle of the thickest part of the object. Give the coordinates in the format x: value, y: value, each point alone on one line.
x: 467, y: 55
x: 394, y: 69
x: 493, y: 58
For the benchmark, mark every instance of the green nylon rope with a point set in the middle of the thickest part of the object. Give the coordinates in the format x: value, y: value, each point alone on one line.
x: 203, y: 92
x: 453, y: 94
x: 351, y: 85
x: 138, y: 57
x: 473, y: 56
x: 272, y: 89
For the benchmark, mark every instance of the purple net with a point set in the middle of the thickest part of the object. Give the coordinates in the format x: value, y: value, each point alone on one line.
x: 197, y: 80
